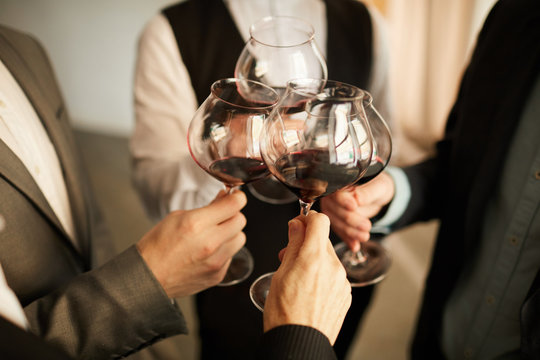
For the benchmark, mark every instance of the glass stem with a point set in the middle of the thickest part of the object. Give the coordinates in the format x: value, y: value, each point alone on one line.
x: 358, y: 257
x: 304, y: 207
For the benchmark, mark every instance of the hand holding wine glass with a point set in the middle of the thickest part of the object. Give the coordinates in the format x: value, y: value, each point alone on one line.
x: 369, y: 264
x: 352, y: 209
x: 310, y: 287
x: 223, y: 139
x: 190, y: 250
x: 316, y: 141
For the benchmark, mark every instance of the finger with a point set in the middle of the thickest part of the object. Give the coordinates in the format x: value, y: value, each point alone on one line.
x: 220, y: 194
x: 222, y: 208
x: 366, y: 194
x: 344, y: 199
x: 296, y: 239
x: 351, y: 225
x: 226, y: 251
x: 339, y: 213
x: 316, y: 233
x: 350, y: 235
x: 369, y: 211
x: 378, y: 191
x: 354, y: 242
x: 231, y: 226
x: 215, y: 236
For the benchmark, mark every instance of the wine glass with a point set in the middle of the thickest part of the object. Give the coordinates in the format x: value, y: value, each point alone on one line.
x: 223, y: 139
x: 370, y: 264
x: 316, y: 141
x: 280, y: 48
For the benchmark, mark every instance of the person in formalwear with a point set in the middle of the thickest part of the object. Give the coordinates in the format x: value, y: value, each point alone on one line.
x: 482, y: 293
x: 51, y: 234
x: 301, y: 320
x: 182, y: 51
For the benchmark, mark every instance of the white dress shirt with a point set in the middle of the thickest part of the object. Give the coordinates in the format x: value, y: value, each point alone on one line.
x: 24, y: 134
x: 165, y: 174
x: 10, y: 307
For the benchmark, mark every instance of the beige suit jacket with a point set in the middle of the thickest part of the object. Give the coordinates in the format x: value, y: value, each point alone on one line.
x: 92, y: 313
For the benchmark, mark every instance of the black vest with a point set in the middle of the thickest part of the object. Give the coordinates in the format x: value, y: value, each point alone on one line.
x: 229, y: 325
x: 349, y: 41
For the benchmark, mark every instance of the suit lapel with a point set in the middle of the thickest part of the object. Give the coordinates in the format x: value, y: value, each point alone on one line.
x: 61, y: 137
x: 14, y: 171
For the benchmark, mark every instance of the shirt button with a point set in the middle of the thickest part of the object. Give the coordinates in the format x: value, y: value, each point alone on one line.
x: 537, y: 175
x: 37, y: 170
x: 514, y: 240
x: 490, y: 300
x: 2, y: 222
x: 468, y: 353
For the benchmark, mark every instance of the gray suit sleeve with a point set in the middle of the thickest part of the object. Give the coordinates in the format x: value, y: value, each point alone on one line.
x: 109, y: 312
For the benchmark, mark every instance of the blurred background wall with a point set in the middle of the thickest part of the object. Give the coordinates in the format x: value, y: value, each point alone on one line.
x: 92, y: 46
x: 431, y: 41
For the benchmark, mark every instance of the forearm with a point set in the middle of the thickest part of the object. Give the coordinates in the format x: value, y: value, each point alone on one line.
x: 110, y: 311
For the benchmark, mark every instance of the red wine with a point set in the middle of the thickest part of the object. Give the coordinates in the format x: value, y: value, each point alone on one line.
x: 235, y: 171
x: 373, y: 170
x: 310, y: 175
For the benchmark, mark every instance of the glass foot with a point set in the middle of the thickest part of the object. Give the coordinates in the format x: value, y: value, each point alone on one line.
x: 240, y: 268
x: 259, y: 290
x: 369, y: 270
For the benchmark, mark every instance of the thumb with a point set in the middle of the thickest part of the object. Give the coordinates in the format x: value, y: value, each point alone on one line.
x: 220, y: 194
x: 296, y: 238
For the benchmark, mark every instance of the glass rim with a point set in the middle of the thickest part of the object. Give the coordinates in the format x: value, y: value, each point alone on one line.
x: 228, y: 81
x: 310, y: 31
x: 360, y: 92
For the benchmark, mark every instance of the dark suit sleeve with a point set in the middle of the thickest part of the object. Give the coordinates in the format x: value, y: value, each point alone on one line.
x: 429, y: 181
x: 295, y: 342
x: 18, y: 344
x: 108, y: 312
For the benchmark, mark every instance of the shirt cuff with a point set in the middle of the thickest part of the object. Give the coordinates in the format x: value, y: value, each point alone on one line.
x: 399, y: 203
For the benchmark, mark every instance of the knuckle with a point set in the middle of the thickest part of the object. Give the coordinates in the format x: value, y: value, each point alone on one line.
x: 207, y: 249
x: 368, y: 225
x: 242, y: 220
x: 364, y: 236
x: 349, y: 217
x: 241, y: 238
x: 214, y: 266
x: 350, y: 232
x: 189, y: 223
